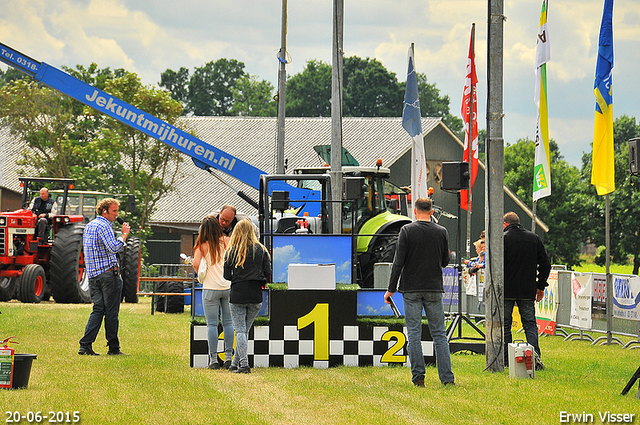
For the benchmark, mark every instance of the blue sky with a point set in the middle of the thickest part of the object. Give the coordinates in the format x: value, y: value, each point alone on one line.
x: 148, y: 37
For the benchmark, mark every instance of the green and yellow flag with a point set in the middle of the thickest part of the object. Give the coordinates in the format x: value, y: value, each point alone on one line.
x: 542, y: 169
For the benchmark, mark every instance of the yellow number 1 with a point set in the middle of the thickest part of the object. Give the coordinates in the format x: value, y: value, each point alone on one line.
x: 319, y: 316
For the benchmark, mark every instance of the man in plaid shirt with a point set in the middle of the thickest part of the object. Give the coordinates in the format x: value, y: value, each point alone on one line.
x: 100, y: 248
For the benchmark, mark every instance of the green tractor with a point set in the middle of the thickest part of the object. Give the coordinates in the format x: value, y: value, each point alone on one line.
x: 373, y: 210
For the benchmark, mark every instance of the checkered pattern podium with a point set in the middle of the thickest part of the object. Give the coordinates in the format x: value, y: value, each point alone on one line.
x: 360, y: 345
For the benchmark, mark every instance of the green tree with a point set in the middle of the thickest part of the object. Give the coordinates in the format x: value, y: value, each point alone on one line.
x: 178, y: 85
x: 309, y: 92
x: 210, y: 87
x: 253, y: 98
x: 370, y: 90
x: 624, y: 200
x: 12, y: 74
x: 149, y: 167
x: 563, y: 210
x: 67, y: 139
x: 58, y: 136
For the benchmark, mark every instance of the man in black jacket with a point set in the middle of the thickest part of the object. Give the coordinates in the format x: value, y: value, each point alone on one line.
x: 227, y: 219
x: 43, y: 207
x: 421, y: 253
x: 526, y: 269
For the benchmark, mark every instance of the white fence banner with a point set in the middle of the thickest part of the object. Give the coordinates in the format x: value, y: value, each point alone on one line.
x: 626, y: 297
x: 581, y: 300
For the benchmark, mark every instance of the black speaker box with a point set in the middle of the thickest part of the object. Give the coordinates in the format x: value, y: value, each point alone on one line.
x: 634, y: 156
x: 455, y: 176
x: 353, y: 188
x: 280, y: 200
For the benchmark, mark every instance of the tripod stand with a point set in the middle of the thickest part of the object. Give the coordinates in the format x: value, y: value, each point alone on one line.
x: 459, y: 318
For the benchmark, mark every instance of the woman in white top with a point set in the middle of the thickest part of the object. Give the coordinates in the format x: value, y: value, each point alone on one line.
x: 211, y: 245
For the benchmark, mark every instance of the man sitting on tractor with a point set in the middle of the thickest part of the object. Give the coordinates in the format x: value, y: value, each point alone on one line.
x: 43, y: 207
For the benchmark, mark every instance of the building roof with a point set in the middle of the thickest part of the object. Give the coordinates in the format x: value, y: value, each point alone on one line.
x: 10, y: 150
x: 253, y: 139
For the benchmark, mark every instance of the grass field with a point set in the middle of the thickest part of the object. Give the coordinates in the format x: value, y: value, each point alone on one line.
x: 155, y: 385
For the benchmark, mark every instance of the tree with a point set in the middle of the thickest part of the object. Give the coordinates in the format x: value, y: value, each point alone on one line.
x: 12, y: 74
x: 209, y: 91
x: 563, y: 210
x: 370, y: 90
x: 624, y: 200
x: 68, y: 139
x: 309, y: 92
x: 148, y: 166
x: 58, y: 136
x: 178, y: 85
x: 253, y: 98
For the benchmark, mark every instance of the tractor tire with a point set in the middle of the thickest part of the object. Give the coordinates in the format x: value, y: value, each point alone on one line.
x: 130, y: 266
x: 170, y: 304
x: 383, y: 251
x: 7, y: 288
x: 68, y: 277
x: 32, y: 284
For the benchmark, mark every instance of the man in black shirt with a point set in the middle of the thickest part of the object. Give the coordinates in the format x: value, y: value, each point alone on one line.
x: 43, y: 207
x: 421, y: 253
x: 526, y: 269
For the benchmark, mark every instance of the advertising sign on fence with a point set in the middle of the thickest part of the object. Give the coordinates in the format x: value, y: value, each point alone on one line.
x: 547, y: 308
x: 626, y: 297
x: 581, y: 291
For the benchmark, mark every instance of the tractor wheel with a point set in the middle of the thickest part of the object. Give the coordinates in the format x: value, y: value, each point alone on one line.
x: 7, y: 288
x: 131, y: 270
x: 69, y: 280
x: 32, y: 284
x: 170, y: 304
x: 383, y: 251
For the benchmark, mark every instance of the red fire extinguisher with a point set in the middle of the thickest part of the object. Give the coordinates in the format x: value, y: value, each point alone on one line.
x: 7, y: 355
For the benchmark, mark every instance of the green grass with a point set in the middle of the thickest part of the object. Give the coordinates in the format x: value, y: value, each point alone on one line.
x: 155, y: 385
x: 613, y: 268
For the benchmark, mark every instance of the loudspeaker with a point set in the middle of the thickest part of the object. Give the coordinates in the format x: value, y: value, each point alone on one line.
x: 634, y: 156
x: 455, y: 176
x: 280, y: 200
x: 353, y: 188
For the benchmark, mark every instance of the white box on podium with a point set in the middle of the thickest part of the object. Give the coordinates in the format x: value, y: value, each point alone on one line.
x: 312, y: 276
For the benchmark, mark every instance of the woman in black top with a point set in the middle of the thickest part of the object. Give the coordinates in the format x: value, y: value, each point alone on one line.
x: 248, y: 266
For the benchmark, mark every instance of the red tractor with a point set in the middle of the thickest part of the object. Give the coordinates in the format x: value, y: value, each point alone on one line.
x: 33, y: 269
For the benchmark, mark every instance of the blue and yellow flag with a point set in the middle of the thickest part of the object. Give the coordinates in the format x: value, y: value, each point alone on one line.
x: 602, y: 164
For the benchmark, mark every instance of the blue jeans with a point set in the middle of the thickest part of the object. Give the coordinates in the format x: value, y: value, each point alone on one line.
x: 216, y: 303
x: 431, y: 302
x: 106, y: 295
x: 528, y: 315
x: 243, y: 316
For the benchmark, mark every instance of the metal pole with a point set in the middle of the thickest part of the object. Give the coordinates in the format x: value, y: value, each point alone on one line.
x: 609, y: 281
x: 336, y: 115
x: 533, y: 219
x: 494, y: 190
x: 282, y: 92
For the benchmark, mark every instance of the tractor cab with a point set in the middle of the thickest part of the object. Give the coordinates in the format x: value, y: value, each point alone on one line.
x: 376, y: 194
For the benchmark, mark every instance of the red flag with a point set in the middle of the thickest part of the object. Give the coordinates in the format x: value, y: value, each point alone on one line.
x: 469, y: 87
